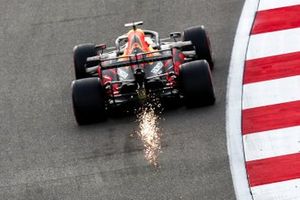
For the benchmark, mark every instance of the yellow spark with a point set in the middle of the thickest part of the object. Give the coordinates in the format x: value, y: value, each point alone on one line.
x: 149, y: 134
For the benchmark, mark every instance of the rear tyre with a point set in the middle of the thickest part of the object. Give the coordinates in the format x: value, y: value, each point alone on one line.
x: 81, y: 53
x: 88, y: 101
x: 196, y: 84
x: 200, y: 40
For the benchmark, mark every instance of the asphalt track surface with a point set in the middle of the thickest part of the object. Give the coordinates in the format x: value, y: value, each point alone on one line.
x: 45, y: 155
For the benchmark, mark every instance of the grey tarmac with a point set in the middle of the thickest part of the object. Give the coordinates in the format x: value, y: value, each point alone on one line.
x: 45, y: 155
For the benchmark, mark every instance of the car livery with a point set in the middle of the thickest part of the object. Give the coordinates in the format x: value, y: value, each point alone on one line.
x: 141, y: 66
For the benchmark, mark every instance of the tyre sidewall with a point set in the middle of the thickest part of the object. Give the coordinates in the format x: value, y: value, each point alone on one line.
x: 200, y: 40
x: 80, y: 54
x: 196, y: 84
x: 88, y: 101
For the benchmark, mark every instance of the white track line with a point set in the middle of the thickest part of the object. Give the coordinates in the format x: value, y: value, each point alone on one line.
x: 274, y: 43
x: 272, y: 143
x: 234, y: 102
x: 286, y: 190
x: 271, y: 4
x: 271, y: 92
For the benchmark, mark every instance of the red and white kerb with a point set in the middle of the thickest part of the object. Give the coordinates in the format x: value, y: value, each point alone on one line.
x: 271, y: 102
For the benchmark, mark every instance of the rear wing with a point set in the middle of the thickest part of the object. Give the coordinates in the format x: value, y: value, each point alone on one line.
x: 135, y: 59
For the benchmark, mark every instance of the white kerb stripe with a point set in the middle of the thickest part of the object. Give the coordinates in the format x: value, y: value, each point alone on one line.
x: 274, y: 43
x: 272, y: 143
x: 234, y: 102
x: 271, y: 92
x: 286, y: 190
x: 271, y: 4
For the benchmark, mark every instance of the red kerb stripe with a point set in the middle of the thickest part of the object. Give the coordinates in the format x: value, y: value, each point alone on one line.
x: 271, y: 170
x: 272, y: 67
x: 271, y: 117
x: 276, y: 19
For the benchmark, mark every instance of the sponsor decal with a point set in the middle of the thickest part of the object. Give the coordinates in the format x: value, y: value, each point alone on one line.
x: 122, y: 73
x: 157, y: 68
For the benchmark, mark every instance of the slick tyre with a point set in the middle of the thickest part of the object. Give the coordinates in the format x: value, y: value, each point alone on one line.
x: 88, y: 101
x: 196, y: 84
x: 201, y: 42
x: 80, y: 54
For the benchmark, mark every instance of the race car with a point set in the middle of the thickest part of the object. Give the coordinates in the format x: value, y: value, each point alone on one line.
x: 142, y: 66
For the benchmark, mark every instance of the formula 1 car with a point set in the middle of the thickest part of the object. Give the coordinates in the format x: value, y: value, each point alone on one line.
x: 140, y: 66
